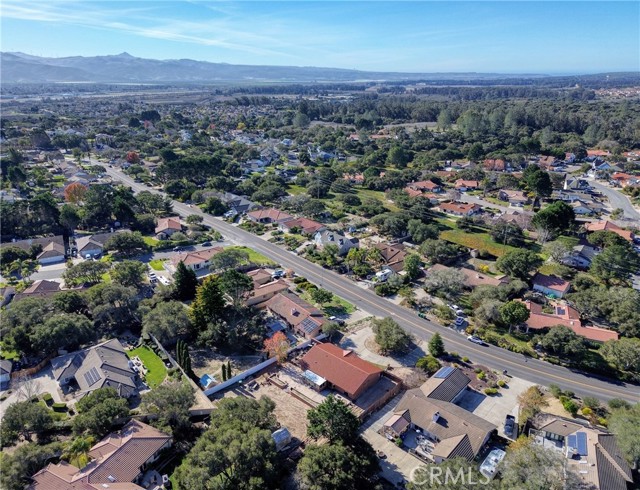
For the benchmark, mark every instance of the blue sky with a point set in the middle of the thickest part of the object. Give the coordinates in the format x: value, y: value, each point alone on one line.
x: 419, y: 36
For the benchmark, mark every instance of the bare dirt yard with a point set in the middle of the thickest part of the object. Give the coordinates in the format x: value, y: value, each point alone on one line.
x: 290, y: 412
x: 206, y: 361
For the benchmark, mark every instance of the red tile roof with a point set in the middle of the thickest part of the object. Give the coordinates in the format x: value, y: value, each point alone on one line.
x: 458, y: 208
x: 192, y: 258
x: 551, y: 282
x: 275, y: 215
x: 172, y: 223
x: 423, y: 185
x: 293, y: 308
x: 494, y: 164
x: 606, y: 225
x: 305, y: 224
x: 342, y: 368
x: 566, y: 316
x: 470, y: 184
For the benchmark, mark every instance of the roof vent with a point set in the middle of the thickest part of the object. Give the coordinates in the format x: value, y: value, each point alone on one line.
x: 112, y: 479
x: 436, y: 417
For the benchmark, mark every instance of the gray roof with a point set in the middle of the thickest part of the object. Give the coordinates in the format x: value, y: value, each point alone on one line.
x: 103, y: 365
x: 452, y: 425
x: 560, y: 427
x: 613, y: 470
x: 6, y: 366
x: 445, y: 384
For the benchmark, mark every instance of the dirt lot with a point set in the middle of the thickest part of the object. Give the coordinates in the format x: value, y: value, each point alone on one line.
x: 205, y: 361
x: 290, y: 411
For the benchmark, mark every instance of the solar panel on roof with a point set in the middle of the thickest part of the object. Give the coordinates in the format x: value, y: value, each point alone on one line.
x: 582, y: 443
x: 92, y: 376
x: 571, y: 441
x: 444, y: 372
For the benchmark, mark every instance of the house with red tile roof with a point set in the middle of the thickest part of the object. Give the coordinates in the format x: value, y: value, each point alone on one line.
x: 606, y: 225
x: 424, y: 186
x: 259, y: 277
x: 495, y: 164
x: 167, y: 227
x: 460, y: 208
x: 199, y: 260
x: 342, y: 368
x: 357, y: 178
x: 515, y: 198
x: 305, y: 319
x: 565, y: 315
x: 547, y: 161
x: 598, y: 153
x: 550, y: 285
x: 465, y: 185
x: 265, y: 292
x: 118, y: 461
x: 473, y: 278
x: 392, y: 255
x: 305, y: 226
x: 269, y: 215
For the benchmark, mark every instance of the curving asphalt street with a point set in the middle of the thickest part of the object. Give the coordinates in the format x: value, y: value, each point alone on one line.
x: 533, y: 370
x: 617, y: 200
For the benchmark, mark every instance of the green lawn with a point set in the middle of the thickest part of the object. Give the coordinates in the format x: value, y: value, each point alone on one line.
x: 337, y: 306
x: 363, y: 193
x: 156, y: 370
x: 157, y: 264
x: 481, y: 241
x: 12, y: 355
x: 255, y: 257
x: 152, y: 242
x: 294, y: 190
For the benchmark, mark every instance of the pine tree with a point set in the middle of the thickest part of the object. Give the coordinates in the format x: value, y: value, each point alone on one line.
x: 436, y: 345
x: 229, y: 370
x: 208, y: 306
x: 185, y: 282
x: 224, y: 372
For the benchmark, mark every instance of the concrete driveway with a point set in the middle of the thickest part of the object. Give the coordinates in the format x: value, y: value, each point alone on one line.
x: 495, y: 408
x: 37, y: 384
x: 357, y: 342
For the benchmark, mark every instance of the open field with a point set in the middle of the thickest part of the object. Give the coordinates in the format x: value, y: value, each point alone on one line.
x: 157, y: 264
x: 255, y: 257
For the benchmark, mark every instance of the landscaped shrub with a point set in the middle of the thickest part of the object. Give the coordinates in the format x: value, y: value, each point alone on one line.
x: 490, y: 391
x: 47, y: 398
x: 571, y: 407
x: 465, y: 359
x: 481, y: 375
x: 398, y: 442
x: 555, y: 390
x: 59, y: 407
x: 502, y: 383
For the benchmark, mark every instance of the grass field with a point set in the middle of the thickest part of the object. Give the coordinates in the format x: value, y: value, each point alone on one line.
x: 337, y: 306
x: 157, y: 264
x: 255, y: 257
x: 156, y: 370
x: 480, y: 241
x: 152, y: 242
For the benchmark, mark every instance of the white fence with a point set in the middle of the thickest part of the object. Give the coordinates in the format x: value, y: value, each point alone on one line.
x: 256, y: 369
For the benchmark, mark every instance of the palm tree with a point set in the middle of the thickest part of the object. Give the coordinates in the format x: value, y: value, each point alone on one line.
x: 77, y: 450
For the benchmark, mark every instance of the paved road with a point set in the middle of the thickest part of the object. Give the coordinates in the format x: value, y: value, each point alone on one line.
x: 532, y: 370
x: 617, y: 200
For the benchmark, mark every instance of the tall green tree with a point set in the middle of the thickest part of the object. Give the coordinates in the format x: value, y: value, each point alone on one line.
x: 129, y: 273
x: 185, y: 282
x: 390, y: 336
x: 236, y: 452
x: 16, y: 469
x: 625, y: 424
x: 24, y: 419
x: 98, y: 411
x: 236, y: 284
x: 624, y: 353
x: 412, y: 264
x: 171, y: 403
x: 167, y: 321
x: 514, y: 313
x: 334, y: 420
x: 436, y: 345
x: 209, y: 304
x: 519, y: 263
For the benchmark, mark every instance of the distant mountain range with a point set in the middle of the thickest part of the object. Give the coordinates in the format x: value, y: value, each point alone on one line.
x: 123, y: 68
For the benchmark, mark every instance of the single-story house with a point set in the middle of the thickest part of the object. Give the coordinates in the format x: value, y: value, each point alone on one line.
x: 328, y: 237
x: 575, y: 184
x: 460, y: 208
x: 343, y: 369
x: 450, y: 430
x: 547, y: 162
x: 357, y: 178
x: 550, y: 285
x: 494, y: 165
x: 118, y: 462
x: 102, y: 365
x: 268, y: 215
x: 474, y: 278
x: 52, y: 254
x: 465, y: 185
x: 392, y: 255
x: 606, y: 225
x: 424, y: 186
x: 167, y: 227
x: 565, y: 315
x: 265, y: 292
x: 305, y: 226
x: 41, y: 288
x: 238, y: 204
x: 447, y: 384
x: 199, y: 260
x: 515, y: 198
x: 591, y: 453
x: 305, y: 319
x: 581, y: 256
x: 89, y: 247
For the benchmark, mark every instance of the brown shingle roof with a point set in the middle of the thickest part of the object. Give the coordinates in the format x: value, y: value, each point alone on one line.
x: 272, y: 214
x: 445, y: 384
x: 192, y: 258
x: 292, y: 308
x: 172, y: 223
x: 606, y: 225
x: 342, y: 368
x: 554, y: 283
